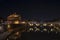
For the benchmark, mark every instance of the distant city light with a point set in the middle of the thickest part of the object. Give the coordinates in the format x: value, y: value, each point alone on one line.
x: 1, y: 28
x: 52, y: 29
x: 31, y: 29
x: 44, y: 29
x: 8, y: 26
x: 37, y: 24
x: 51, y: 25
x: 44, y: 24
x: 37, y: 29
x: 23, y: 22
x: 17, y: 33
x: 31, y: 24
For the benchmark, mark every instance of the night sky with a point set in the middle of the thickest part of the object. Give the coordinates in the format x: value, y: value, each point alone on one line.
x: 31, y: 9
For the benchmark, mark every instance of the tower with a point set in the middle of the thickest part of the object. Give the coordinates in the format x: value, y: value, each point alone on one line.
x: 14, y: 17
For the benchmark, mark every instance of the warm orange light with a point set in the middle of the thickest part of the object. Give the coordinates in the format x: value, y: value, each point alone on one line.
x: 16, y: 22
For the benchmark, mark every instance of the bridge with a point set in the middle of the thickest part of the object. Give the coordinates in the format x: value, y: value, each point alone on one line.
x: 15, y: 25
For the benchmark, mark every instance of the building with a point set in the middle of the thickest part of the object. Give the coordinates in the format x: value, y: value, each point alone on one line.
x: 14, y: 22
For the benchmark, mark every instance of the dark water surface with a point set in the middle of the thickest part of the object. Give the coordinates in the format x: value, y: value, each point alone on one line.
x: 40, y: 36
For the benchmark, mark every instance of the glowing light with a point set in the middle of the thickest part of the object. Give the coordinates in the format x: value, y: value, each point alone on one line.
x: 31, y: 29
x: 45, y: 29
x: 37, y: 24
x: 15, y: 15
x: 51, y: 25
x: 37, y: 29
x: 44, y: 24
x: 16, y: 22
x: 23, y: 22
x: 9, y: 26
x: 31, y: 24
x: 52, y: 29
x: 1, y: 28
x: 17, y: 33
